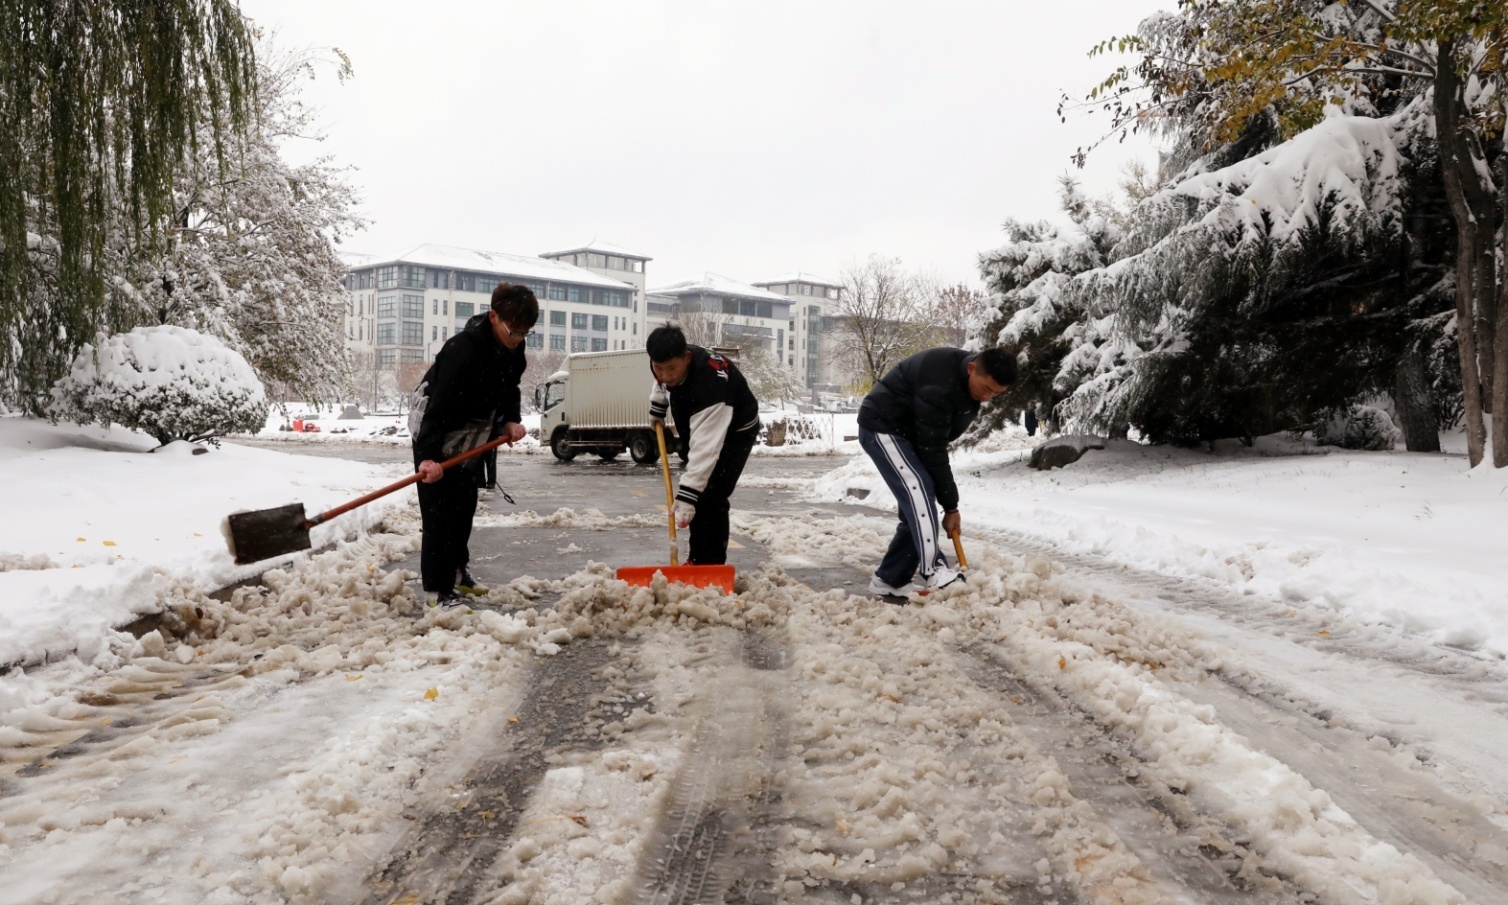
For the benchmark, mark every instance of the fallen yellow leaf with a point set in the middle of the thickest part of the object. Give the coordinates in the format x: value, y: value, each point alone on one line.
x: 1062, y: 663
x: 109, y: 543
x: 353, y: 678
x: 79, y: 539
x: 512, y: 719
x: 1324, y: 633
x: 431, y: 694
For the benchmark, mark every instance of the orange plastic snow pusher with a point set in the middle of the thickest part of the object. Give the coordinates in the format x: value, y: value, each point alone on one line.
x: 696, y: 576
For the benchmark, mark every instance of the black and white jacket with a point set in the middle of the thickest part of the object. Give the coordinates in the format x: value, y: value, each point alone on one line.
x: 712, y: 403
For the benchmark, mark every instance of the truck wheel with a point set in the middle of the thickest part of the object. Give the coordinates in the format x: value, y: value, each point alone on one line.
x: 607, y: 455
x: 560, y: 445
x: 643, y: 449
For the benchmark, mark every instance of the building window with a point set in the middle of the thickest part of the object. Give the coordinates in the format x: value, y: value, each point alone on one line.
x: 387, y: 277
x: 599, y: 323
x: 387, y: 306
x: 413, y: 307
x: 386, y: 333
x: 465, y: 309
x: 557, y: 342
x: 434, y: 333
x: 410, y: 356
x: 410, y: 277
x: 535, y: 341
x: 765, y: 309
x: 436, y: 307
x: 593, y: 260
x: 387, y: 359
x: 578, y: 343
x: 445, y: 307
x: 578, y: 321
x: 558, y: 293
x: 748, y: 308
x: 557, y: 318
x: 599, y: 345
x: 413, y: 333
x: 575, y: 294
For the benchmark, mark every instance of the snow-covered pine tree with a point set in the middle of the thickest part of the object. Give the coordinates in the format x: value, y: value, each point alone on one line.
x: 1212, y: 68
x: 1034, y: 307
x: 101, y: 101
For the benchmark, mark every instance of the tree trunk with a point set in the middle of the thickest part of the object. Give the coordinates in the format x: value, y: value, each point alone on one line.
x: 1500, y: 365
x: 1459, y: 174
x: 1421, y: 432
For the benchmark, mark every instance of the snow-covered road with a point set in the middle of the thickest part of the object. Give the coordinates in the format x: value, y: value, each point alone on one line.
x: 1059, y: 730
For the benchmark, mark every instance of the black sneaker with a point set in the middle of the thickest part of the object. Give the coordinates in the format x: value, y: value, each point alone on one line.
x: 447, y: 600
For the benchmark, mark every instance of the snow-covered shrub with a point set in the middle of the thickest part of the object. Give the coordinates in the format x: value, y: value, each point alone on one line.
x: 169, y: 382
x: 1359, y: 427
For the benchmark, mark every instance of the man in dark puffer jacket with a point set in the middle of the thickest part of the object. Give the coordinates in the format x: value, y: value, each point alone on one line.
x: 470, y: 391
x: 905, y: 425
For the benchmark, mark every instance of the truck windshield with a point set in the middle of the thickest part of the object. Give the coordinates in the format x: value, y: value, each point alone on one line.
x: 554, y: 395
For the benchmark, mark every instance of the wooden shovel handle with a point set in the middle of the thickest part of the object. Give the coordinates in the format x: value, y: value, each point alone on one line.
x: 399, y: 485
x: 669, y: 494
x: 963, y: 562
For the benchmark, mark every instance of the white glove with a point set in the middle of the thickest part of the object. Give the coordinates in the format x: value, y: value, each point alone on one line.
x: 684, y: 513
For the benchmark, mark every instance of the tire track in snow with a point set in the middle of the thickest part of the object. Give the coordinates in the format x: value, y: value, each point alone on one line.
x: 1184, y: 848
x: 449, y: 855
x: 718, y: 833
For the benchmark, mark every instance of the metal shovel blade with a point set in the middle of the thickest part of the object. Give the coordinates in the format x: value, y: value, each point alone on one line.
x: 696, y: 576
x: 265, y: 533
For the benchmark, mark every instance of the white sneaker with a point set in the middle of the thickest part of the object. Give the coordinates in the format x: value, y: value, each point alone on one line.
x: 940, y: 579
x: 876, y: 586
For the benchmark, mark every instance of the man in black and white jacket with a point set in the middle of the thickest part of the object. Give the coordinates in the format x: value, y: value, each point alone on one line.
x: 905, y: 425
x: 718, y: 418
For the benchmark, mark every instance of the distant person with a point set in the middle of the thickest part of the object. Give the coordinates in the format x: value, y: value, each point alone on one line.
x: 469, y: 394
x: 486, y: 477
x: 1031, y: 420
x: 717, y: 418
x: 905, y: 425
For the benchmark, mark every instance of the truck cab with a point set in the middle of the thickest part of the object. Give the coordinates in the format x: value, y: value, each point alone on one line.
x: 599, y: 402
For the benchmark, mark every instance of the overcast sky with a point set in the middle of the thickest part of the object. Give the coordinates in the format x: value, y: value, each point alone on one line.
x: 748, y: 139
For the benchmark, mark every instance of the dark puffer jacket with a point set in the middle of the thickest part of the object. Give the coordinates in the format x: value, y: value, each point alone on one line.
x: 472, y: 385
x: 925, y: 399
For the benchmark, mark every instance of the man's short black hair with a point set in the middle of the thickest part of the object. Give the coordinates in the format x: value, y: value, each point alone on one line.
x: 516, y: 305
x: 999, y: 363
x: 665, y: 343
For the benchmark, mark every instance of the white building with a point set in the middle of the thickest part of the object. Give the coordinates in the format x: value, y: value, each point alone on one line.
x: 401, y: 310
x: 812, y: 299
x: 607, y: 260
x: 717, y: 310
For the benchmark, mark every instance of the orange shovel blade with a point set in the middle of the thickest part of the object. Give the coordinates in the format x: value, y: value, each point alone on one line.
x: 696, y: 576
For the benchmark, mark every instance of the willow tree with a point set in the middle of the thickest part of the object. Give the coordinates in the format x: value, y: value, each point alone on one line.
x: 1218, y: 65
x: 101, y: 101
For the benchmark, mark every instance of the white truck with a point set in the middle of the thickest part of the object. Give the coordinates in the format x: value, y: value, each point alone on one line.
x: 599, y: 402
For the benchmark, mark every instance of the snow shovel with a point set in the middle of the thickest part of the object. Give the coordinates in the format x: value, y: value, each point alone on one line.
x: 696, y: 576
x: 265, y: 533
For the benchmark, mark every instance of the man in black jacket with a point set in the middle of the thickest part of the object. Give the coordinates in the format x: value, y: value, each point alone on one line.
x: 469, y: 392
x: 718, y: 418
x: 905, y: 425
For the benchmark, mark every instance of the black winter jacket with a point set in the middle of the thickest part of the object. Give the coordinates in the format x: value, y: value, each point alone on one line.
x: 713, y: 402
x: 925, y: 399
x: 472, y: 386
